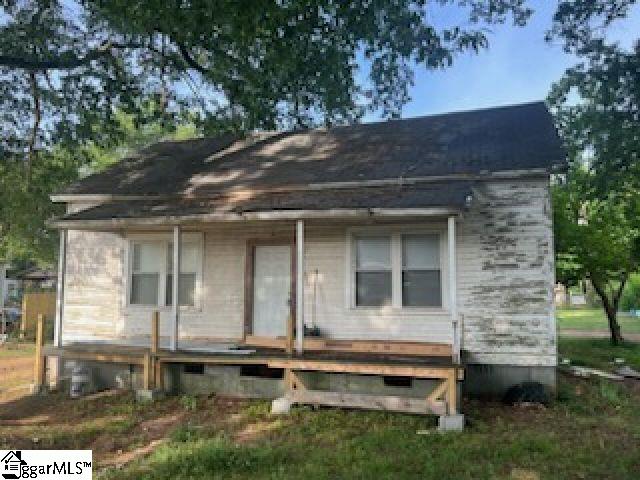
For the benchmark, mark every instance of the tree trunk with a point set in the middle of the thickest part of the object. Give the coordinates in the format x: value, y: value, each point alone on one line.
x: 614, y: 326
x: 611, y: 308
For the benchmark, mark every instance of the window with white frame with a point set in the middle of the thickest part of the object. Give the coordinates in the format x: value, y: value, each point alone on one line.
x: 402, y: 270
x: 145, y: 272
x: 151, y: 273
x: 373, y: 271
x: 421, y: 280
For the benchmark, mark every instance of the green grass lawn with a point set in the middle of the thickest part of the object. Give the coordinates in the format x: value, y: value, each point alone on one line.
x: 591, y: 432
x: 591, y: 319
x: 598, y: 352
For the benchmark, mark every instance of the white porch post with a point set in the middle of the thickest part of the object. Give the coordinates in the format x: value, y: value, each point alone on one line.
x: 299, y: 285
x: 175, y: 287
x: 453, y: 297
x: 62, y: 267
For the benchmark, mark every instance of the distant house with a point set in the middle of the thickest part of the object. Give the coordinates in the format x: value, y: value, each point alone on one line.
x: 372, y: 265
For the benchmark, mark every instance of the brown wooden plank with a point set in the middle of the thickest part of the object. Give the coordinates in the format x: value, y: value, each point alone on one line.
x: 362, y: 368
x: 40, y: 364
x: 158, y: 374
x: 363, y: 401
x: 147, y: 372
x: 212, y: 360
x: 266, y: 342
x: 438, y: 392
x: 97, y: 356
x: 452, y: 394
x: 155, y: 332
x: 391, y: 347
x: 290, y: 333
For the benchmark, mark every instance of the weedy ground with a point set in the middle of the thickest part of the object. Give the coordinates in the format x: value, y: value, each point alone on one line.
x: 592, y: 431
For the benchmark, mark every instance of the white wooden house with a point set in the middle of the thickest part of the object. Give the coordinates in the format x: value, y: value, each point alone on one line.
x: 372, y: 265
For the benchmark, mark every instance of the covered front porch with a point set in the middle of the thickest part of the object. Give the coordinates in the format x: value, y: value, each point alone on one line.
x: 323, y: 331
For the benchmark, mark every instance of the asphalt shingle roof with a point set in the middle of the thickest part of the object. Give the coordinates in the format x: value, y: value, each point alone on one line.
x: 517, y: 137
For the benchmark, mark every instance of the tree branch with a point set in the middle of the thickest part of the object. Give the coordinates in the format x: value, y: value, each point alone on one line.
x: 618, y: 294
x: 186, y: 55
x: 68, y: 60
x: 64, y: 61
x: 37, y: 115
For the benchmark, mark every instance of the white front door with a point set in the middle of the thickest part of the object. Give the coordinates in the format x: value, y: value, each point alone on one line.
x: 271, y: 290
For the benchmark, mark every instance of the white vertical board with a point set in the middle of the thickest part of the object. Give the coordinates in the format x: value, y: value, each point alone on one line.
x: 177, y: 249
x: 300, y: 283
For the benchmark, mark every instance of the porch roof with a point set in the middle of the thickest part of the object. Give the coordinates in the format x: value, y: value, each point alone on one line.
x: 442, y: 198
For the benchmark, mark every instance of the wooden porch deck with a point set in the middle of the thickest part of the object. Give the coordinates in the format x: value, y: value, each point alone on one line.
x: 443, y: 399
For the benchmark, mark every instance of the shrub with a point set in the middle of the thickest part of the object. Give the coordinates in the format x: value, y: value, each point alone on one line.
x: 630, y: 299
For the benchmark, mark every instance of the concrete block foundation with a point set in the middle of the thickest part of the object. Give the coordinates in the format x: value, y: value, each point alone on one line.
x: 481, y: 380
x: 451, y: 423
x: 493, y: 381
x: 281, y: 406
x: 149, y: 395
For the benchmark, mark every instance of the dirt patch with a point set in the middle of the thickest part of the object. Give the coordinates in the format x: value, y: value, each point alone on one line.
x: 15, y: 371
x: 117, y: 429
x: 122, y: 458
x: 256, y: 431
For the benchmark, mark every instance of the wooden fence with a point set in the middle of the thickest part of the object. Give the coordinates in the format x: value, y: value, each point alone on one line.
x: 34, y: 304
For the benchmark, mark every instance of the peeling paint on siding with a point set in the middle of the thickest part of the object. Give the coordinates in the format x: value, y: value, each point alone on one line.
x: 505, y: 272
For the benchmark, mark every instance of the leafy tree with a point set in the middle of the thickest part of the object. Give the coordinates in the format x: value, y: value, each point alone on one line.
x: 596, y: 105
x: 68, y: 68
x: 24, y: 211
x: 597, y: 102
x: 66, y: 64
x: 596, y: 238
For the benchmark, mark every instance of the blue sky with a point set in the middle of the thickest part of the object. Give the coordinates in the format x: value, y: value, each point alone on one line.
x: 519, y: 66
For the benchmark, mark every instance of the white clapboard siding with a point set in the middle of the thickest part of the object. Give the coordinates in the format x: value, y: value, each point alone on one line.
x: 326, y: 305
x: 505, y: 274
x: 93, y: 286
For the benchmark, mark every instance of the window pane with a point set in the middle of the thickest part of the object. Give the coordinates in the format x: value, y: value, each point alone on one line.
x: 187, y: 289
x: 421, y: 288
x: 421, y: 252
x: 147, y: 257
x: 188, y: 258
x: 373, y: 253
x: 373, y: 289
x: 144, y: 289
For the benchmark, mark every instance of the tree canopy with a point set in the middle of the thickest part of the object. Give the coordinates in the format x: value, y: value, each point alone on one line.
x: 71, y: 69
x: 597, y: 102
x: 597, y: 109
x: 65, y: 65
